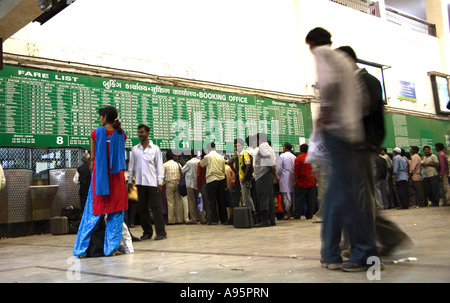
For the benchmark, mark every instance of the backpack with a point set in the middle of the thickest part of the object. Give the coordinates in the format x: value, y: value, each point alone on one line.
x: 373, y: 122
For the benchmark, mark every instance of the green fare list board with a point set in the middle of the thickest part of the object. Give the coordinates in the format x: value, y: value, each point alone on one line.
x: 44, y: 108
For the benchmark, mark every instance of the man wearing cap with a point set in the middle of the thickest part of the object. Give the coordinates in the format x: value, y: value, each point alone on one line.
x: 285, y: 171
x: 401, y: 178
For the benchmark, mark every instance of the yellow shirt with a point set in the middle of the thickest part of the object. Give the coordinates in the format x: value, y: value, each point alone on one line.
x: 244, y: 157
x: 215, y: 166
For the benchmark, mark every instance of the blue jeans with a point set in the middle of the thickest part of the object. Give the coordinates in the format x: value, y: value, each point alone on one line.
x: 342, y: 211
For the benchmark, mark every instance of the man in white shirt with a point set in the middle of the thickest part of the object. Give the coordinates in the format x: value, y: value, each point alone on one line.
x: 145, y: 167
x: 340, y: 121
x: 265, y: 163
x: 285, y: 170
x: 190, y: 172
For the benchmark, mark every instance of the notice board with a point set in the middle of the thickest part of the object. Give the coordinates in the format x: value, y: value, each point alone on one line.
x: 48, y: 108
x: 405, y: 131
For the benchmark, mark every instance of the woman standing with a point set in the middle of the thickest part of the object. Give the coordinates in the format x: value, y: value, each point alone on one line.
x: 107, y: 193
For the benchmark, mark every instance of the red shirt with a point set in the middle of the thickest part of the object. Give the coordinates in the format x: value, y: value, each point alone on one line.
x: 117, y: 200
x: 201, y: 176
x: 306, y: 177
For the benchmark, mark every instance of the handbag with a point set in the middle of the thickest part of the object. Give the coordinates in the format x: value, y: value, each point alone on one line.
x: 182, y: 184
x: 133, y: 195
x: 317, y: 150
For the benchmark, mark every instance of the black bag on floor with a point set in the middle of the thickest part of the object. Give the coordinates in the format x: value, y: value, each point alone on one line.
x: 97, y: 241
x: 74, y: 215
x: 242, y: 217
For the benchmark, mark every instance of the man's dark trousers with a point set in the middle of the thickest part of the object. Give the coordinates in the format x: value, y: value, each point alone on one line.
x: 149, y: 199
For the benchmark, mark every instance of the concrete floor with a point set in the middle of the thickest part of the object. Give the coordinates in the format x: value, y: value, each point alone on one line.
x: 286, y: 253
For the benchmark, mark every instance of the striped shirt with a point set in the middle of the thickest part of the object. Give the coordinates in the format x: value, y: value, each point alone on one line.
x: 215, y: 166
x: 190, y: 172
x: 171, y: 171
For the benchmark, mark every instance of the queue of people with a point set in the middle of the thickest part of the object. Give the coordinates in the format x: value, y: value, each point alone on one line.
x: 250, y: 178
x: 416, y: 178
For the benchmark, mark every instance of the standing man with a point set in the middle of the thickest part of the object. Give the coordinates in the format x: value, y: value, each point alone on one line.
x: 233, y: 162
x: 215, y: 185
x: 285, y: 170
x: 401, y: 178
x: 388, y: 234
x: 415, y: 169
x: 340, y: 121
x: 184, y: 199
x: 201, y: 185
x: 265, y: 163
x: 172, y: 176
x: 390, y: 185
x: 83, y: 177
x: 245, y: 174
x: 381, y: 173
x: 443, y: 173
x: 146, y: 167
x: 305, y: 185
x: 431, y: 164
x: 190, y: 172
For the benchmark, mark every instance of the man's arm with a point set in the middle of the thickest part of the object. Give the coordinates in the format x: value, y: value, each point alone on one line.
x: 92, y: 155
x: 159, y: 169
x: 204, y: 161
x: 131, y: 170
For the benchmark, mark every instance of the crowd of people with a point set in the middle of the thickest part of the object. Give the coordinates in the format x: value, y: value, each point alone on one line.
x: 345, y: 190
x: 412, y: 179
x: 216, y: 183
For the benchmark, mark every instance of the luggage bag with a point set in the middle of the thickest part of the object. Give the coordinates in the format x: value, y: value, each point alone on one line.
x: 59, y: 225
x: 242, y: 217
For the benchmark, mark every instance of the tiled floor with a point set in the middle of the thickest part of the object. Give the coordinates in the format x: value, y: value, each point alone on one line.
x: 286, y: 253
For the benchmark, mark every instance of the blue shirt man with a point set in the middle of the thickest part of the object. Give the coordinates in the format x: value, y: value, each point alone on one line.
x: 401, y: 178
x: 399, y: 166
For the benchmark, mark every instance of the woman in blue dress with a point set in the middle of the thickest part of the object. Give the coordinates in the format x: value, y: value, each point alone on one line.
x: 107, y: 193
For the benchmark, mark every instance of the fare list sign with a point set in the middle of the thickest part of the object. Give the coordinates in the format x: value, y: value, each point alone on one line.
x: 44, y: 108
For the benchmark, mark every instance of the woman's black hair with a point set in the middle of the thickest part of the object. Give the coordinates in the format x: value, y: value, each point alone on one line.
x: 112, y: 117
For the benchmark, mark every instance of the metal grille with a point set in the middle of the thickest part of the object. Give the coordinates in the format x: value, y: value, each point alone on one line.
x: 15, y: 157
x: 67, y: 194
x: 40, y: 160
x: 15, y: 199
x: 364, y: 6
x: 410, y: 22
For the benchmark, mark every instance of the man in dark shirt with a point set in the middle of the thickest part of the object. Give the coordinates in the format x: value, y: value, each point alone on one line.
x: 84, y: 179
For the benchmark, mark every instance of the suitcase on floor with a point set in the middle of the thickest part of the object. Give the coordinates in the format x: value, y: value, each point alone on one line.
x: 59, y: 225
x: 242, y: 217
